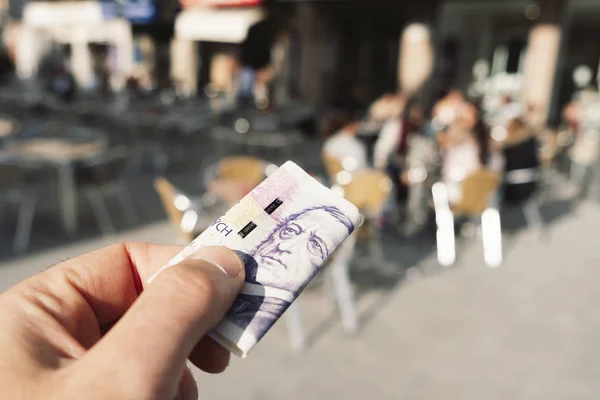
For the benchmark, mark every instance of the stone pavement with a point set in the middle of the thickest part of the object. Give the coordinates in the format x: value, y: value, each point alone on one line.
x: 527, y: 330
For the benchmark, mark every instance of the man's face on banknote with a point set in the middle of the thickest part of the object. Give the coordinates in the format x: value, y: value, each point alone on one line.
x: 292, y: 253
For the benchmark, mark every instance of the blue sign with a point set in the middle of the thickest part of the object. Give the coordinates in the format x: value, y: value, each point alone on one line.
x: 136, y: 11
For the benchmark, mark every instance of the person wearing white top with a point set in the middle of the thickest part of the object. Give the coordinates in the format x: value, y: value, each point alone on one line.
x: 344, y: 144
x: 466, y: 151
x: 388, y: 141
x: 460, y: 160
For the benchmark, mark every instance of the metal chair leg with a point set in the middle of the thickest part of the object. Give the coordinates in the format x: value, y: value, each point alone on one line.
x: 445, y: 236
x: 491, y: 234
x: 126, y: 202
x: 375, y: 246
x: 446, y: 247
x: 24, y: 223
x: 343, y: 293
x: 578, y: 176
x: 293, y: 321
x: 331, y: 300
x: 533, y: 216
x: 100, y: 212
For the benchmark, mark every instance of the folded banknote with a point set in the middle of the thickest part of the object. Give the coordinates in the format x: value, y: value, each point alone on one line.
x: 284, y: 231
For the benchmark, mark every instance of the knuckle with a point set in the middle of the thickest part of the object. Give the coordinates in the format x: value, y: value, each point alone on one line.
x: 194, y: 283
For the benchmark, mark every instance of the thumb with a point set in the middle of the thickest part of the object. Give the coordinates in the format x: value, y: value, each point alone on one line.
x: 154, y: 338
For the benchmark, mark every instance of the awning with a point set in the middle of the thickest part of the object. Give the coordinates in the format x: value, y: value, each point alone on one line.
x: 216, y: 25
x: 46, y: 14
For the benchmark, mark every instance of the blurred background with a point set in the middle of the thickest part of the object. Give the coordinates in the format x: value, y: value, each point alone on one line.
x: 466, y: 131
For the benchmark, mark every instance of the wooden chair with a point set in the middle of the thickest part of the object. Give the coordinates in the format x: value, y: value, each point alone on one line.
x: 234, y: 177
x: 478, y: 191
x: 333, y: 165
x: 168, y: 195
x: 241, y: 168
x: 339, y: 288
x: 369, y: 190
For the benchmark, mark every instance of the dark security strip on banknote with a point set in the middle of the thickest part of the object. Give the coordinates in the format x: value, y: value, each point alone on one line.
x: 251, y: 225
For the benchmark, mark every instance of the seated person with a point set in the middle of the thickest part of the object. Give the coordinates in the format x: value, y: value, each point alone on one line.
x: 505, y: 112
x: 391, y: 147
x: 387, y: 107
x: 465, y: 149
x: 460, y: 158
x: 341, y: 140
x: 447, y: 109
x: 395, y: 132
x: 520, y: 153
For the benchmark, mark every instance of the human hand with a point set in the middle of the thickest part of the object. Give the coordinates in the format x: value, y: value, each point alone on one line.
x: 91, y: 328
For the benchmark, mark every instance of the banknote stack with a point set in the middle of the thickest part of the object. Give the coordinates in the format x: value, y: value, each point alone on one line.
x: 284, y: 231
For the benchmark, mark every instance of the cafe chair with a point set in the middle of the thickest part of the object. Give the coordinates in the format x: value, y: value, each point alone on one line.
x: 249, y: 169
x: 20, y: 184
x: 337, y: 275
x: 333, y: 165
x: 340, y: 286
x: 476, y: 203
x: 340, y: 293
x: 339, y: 170
x: 369, y: 190
x: 531, y: 177
x: 233, y: 177
x: 178, y: 207
x: 102, y: 176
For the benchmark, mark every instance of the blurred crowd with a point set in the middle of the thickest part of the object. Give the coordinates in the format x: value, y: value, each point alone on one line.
x: 462, y: 136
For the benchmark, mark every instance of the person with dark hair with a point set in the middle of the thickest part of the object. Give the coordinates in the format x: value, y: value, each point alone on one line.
x: 481, y: 132
x: 63, y: 83
x: 255, y: 57
x: 466, y: 148
x: 393, y: 140
x: 392, y: 147
x: 520, y: 153
x: 447, y: 109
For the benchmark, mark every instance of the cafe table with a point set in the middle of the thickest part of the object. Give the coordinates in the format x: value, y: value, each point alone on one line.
x: 62, y: 154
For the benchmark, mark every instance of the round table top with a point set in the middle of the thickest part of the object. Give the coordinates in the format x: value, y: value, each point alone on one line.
x: 55, y: 149
x: 254, y: 138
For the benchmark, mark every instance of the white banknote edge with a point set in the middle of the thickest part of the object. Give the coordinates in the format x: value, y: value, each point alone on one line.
x: 226, y: 329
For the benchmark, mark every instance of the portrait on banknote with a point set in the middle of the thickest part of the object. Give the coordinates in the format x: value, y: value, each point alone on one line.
x: 280, y: 267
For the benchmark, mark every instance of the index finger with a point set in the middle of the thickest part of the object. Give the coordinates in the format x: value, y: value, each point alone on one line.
x: 109, y: 279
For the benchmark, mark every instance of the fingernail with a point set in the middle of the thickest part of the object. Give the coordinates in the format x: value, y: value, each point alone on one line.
x: 222, y: 257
